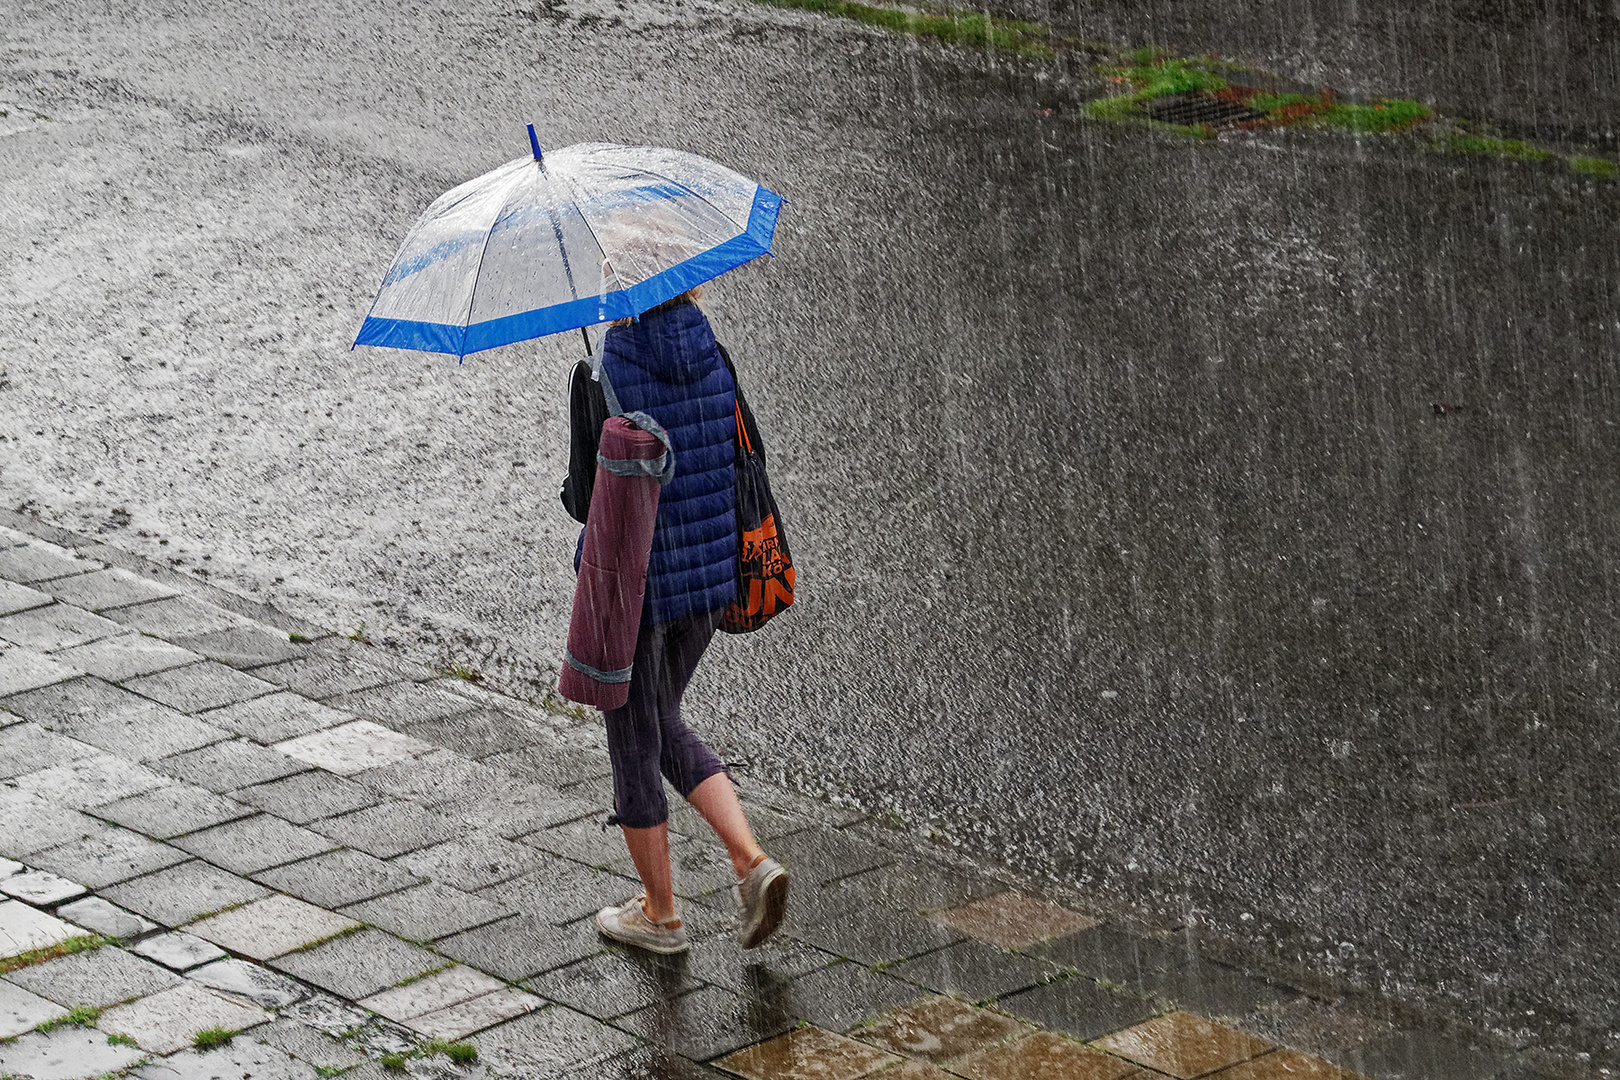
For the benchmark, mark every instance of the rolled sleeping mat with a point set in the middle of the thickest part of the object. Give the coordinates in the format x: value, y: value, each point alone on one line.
x: 631, y: 464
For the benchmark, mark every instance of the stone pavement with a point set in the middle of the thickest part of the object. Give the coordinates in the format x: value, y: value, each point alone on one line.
x: 218, y: 820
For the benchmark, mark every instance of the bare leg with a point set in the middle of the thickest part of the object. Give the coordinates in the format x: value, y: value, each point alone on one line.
x: 716, y: 800
x: 649, y: 850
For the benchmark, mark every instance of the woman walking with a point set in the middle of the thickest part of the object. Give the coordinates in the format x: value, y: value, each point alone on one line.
x: 668, y: 365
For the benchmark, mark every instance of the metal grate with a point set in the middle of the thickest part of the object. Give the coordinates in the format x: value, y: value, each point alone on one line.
x: 1198, y: 107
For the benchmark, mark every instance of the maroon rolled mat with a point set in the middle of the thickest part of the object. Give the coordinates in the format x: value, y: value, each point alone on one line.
x: 612, y: 568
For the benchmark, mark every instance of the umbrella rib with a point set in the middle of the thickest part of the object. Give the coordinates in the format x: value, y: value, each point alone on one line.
x: 695, y: 195
x: 597, y: 240
x: 472, y: 295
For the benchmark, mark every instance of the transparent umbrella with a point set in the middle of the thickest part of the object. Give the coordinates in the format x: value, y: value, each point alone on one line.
x: 566, y: 239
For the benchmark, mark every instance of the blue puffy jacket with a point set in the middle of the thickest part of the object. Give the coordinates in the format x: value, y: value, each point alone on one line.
x: 668, y: 364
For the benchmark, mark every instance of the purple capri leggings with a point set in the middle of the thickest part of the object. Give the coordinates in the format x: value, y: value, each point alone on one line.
x: 647, y: 736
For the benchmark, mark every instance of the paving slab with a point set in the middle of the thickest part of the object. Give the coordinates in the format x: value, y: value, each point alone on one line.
x: 234, y: 763
x: 338, y: 878
x: 326, y: 676
x: 910, y: 885
x: 34, y: 823
x: 426, y: 912
x: 872, y: 936
x: 40, y: 887
x: 24, y: 669
x: 473, y: 862
x: 559, y: 891
x: 205, y: 685
x: 251, y: 844
x: 14, y: 598
x: 95, y: 977
x: 817, y: 855
x: 178, y: 894
x: 939, y: 1029
x: 761, y: 971
x: 521, y: 947
x: 512, y: 809
x: 707, y: 1023
x: 549, y: 1042
x: 173, y: 811
x: 612, y: 984
x: 258, y: 984
x: 167, y: 1021
x: 69, y: 1052
x: 401, y: 704
x: 58, y: 626
x: 309, y: 796
x: 974, y: 970
x: 390, y: 828
x: 244, y: 1057
x: 1182, y: 1045
x: 841, y: 996
x: 458, y: 1021
x: 555, y: 764
x: 126, y: 657
x: 85, y: 699
x: 102, y: 589
x: 109, y: 856
x: 1212, y: 989
x: 145, y: 734
x: 1011, y: 920
x: 247, y: 645
x: 1043, y: 1056
x: 37, y: 560
x: 1079, y: 1007
x: 277, y: 717
x: 355, y: 747
x: 176, y: 617
x: 584, y: 840
x: 20, y: 1010
x: 358, y: 965
x: 271, y: 927
x: 1107, y: 952
x: 1292, y: 1065
x: 476, y: 734
x: 451, y: 986
x: 9, y: 867
x: 93, y: 780
x: 434, y: 777
x: 809, y: 1053
x: 178, y: 950
x: 309, y: 1044
x: 24, y: 929
x: 94, y: 913
x: 26, y: 747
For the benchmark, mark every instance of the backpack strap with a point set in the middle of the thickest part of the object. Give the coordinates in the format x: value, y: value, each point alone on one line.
x: 661, y: 468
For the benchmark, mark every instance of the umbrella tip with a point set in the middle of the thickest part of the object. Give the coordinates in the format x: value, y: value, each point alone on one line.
x: 534, y: 143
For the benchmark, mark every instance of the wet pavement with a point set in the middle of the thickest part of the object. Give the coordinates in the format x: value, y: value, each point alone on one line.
x: 221, y: 820
x: 1245, y: 500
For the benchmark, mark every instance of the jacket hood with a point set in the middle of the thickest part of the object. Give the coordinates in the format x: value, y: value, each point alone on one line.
x: 671, y: 344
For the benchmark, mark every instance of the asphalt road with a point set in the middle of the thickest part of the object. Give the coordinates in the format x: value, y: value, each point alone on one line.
x: 1136, y: 548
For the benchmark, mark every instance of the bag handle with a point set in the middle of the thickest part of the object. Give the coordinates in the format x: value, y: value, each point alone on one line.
x: 660, y: 468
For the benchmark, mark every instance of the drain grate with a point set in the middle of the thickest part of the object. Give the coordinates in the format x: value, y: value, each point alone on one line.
x: 1198, y: 107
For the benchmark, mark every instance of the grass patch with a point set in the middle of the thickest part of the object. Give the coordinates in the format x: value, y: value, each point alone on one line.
x: 954, y: 26
x: 118, y: 1038
x: 420, y: 975
x: 298, y: 639
x: 326, y: 1072
x: 1487, y: 146
x: 1390, y: 114
x: 459, y: 1052
x: 464, y: 673
x: 82, y: 1016
x: 393, y: 1061
x: 212, y: 1038
x: 83, y: 943
x: 359, y: 633
x: 1152, y: 74
x: 1594, y: 166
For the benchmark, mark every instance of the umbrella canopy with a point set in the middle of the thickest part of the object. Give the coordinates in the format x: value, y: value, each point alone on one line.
x: 566, y: 239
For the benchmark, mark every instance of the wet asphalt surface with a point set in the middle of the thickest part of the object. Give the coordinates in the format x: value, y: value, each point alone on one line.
x: 1221, y: 529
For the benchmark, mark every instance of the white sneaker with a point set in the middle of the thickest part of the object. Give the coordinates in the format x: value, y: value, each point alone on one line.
x: 762, y: 902
x: 629, y: 923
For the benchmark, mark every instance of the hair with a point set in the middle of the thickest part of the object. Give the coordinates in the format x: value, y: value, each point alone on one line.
x: 692, y: 295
